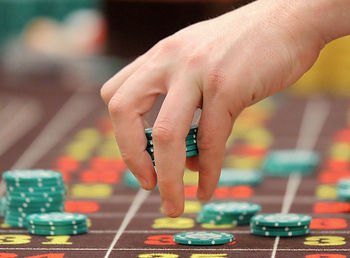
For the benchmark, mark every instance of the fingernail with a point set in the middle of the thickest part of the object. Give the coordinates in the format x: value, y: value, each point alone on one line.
x: 169, y: 209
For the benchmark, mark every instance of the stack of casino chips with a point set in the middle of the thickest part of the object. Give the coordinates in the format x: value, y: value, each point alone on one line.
x: 57, y: 223
x: 282, y: 163
x: 280, y: 224
x: 343, y: 190
x: 191, y: 142
x: 32, y: 191
x: 235, y: 213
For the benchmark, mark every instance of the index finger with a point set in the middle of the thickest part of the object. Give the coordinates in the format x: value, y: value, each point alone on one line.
x: 136, y: 96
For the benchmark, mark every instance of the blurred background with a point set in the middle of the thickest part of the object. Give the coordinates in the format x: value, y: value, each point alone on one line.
x: 87, y: 41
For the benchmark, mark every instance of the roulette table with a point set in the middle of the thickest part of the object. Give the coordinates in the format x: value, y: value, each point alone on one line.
x: 48, y: 125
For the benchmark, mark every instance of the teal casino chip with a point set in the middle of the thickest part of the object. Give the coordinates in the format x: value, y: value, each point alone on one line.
x: 344, y: 183
x: 238, y: 208
x: 281, y: 219
x: 32, y: 176
x: 233, y: 177
x: 191, y: 148
x: 278, y: 229
x: 129, y: 180
x: 285, y: 162
x: 56, y: 218
x: 191, y: 153
x: 58, y: 232
x: 301, y: 232
x: 203, y: 238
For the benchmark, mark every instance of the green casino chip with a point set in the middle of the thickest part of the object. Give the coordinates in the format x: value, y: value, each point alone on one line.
x: 37, y: 184
x: 191, y: 148
x: 129, y: 180
x: 14, y: 223
x: 191, y: 153
x: 301, y: 232
x: 344, y: 184
x: 278, y: 229
x: 31, y: 210
x: 285, y: 162
x: 218, y: 219
x: 51, y: 189
x: 56, y: 218
x: 222, y: 221
x: 57, y: 194
x: 343, y: 194
x: 234, y: 208
x: 59, y: 227
x: 3, y: 206
x: 58, y: 232
x: 281, y: 220
x: 203, y: 238
x: 232, y: 177
x: 33, y: 205
x: 32, y: 176
x: 215, y: 220
x: 58, y: 198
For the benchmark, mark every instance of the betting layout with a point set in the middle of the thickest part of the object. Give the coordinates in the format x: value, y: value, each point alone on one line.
x: 93, y: 171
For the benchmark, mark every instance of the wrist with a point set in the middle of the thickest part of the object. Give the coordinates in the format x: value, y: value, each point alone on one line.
x: 329, y: 19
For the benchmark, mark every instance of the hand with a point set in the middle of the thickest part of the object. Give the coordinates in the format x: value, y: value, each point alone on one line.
x: 221, y: 65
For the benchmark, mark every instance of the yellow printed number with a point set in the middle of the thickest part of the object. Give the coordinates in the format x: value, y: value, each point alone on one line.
x: 158, y: 256
x: 14, y: 239
x: 328, y: 192
x: 57, y: 240
x: 176, y: 223
x: 325, y: 240
x: 208, y: 255
x: 91, y: 190
x: 213, y: 226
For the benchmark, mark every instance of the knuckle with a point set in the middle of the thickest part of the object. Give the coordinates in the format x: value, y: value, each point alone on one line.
x: 127, y: 157
x: 193, y: 60
x: 163, y: 133
x: 105, y: 92
x: 117, y: 105
x: 215, y: 81
x: 206, y: 143
x: 167, y: 45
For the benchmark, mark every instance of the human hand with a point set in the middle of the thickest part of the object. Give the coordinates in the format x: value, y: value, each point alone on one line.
x: 222, y: 66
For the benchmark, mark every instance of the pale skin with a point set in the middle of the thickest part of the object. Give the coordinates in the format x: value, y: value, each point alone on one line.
x: 221, y: 65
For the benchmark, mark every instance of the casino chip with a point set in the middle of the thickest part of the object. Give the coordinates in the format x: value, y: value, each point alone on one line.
x: 57, y: 223
x: 3, y: 207
x: 203, y: 238
x: 191, y: 142
x: 234, y: 213
x: 343, y: 190
x: 280, y: 224
x: 130, y: 181
x: 286, y: 162
x: 233, y: 177
x: 32, y: 191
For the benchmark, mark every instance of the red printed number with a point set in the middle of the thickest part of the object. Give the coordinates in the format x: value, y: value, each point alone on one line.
x: 160, y: 240
x: 328, y: 223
